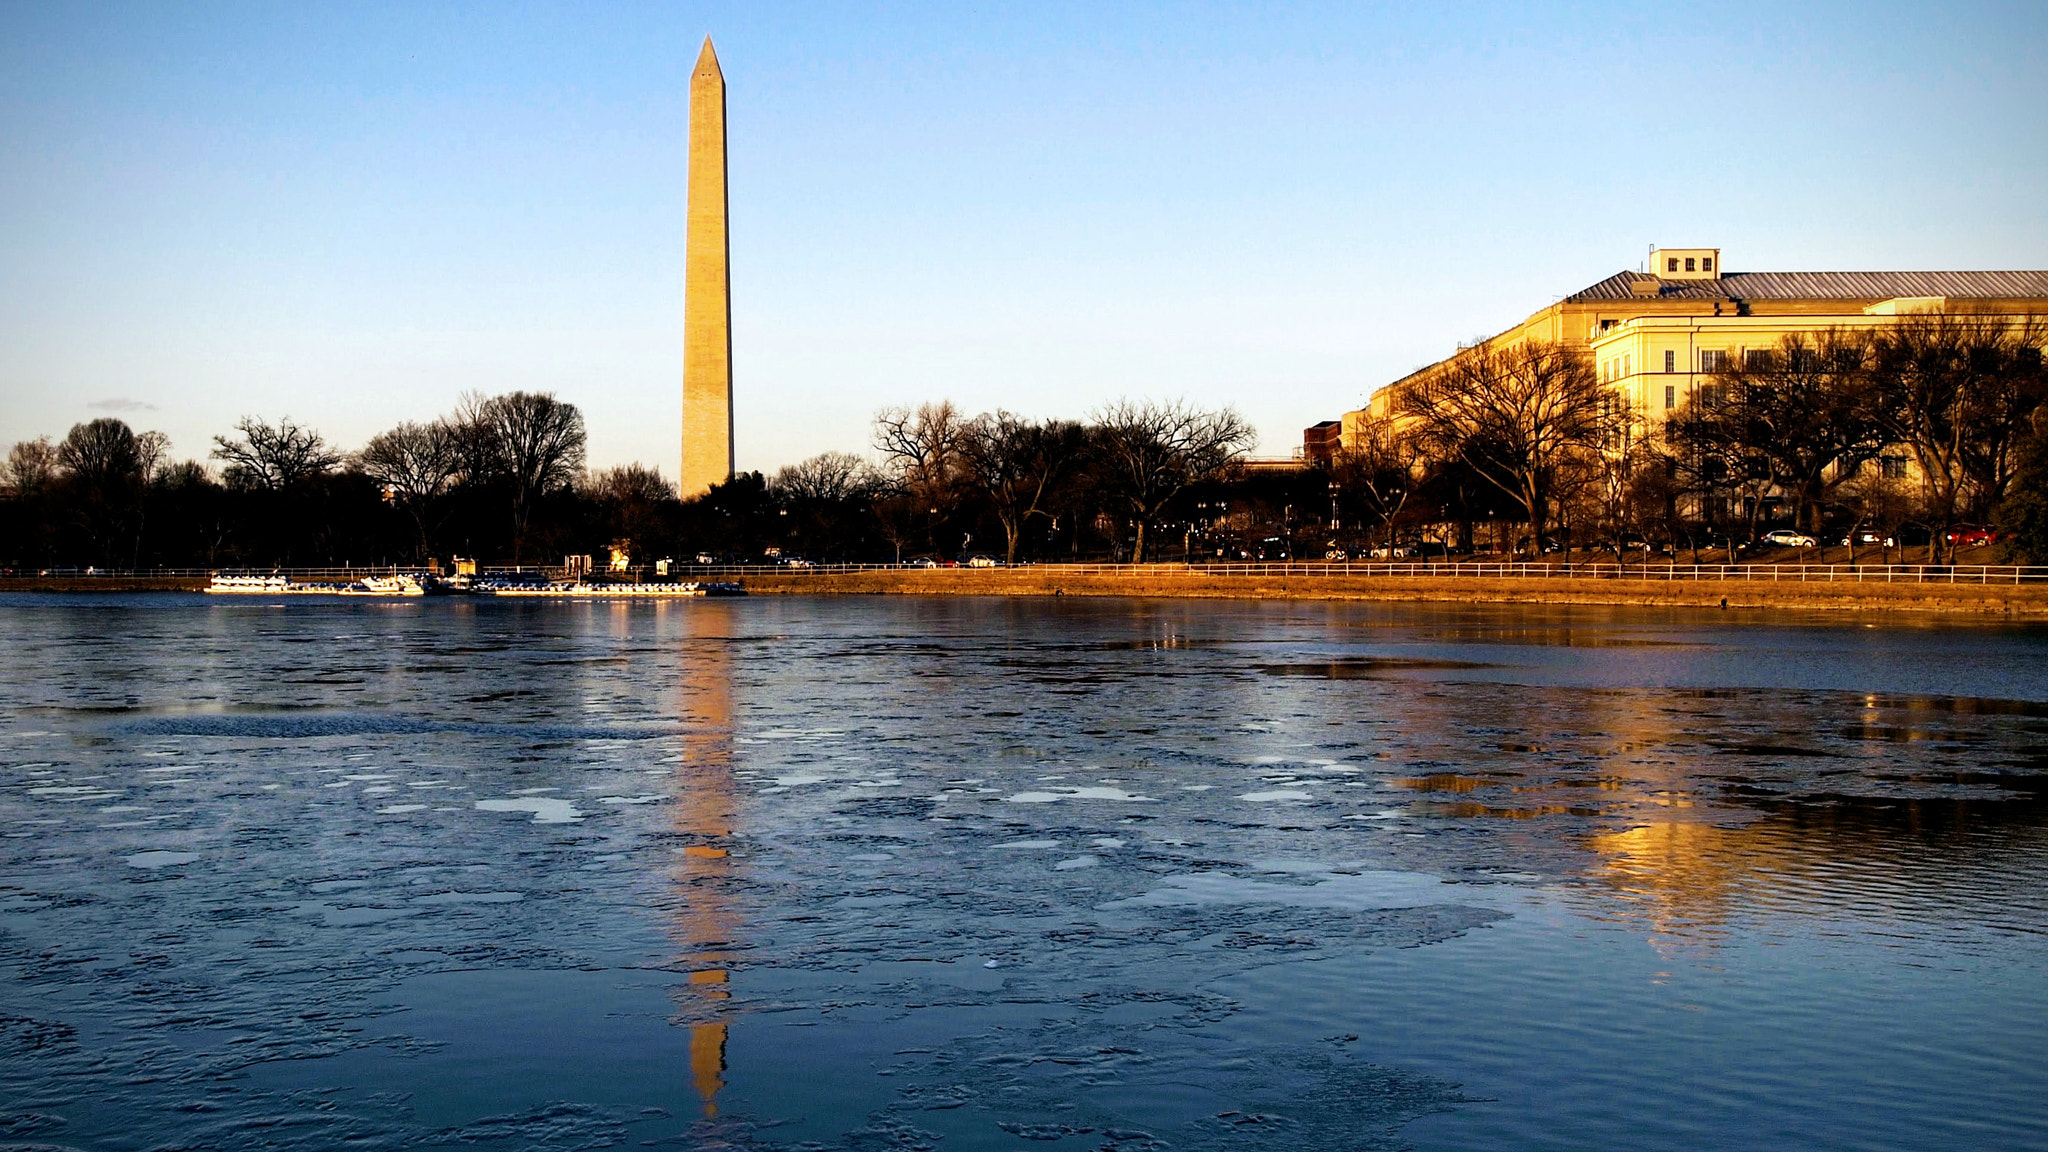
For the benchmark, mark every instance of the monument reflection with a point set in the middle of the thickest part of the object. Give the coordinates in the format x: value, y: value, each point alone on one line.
x: 706, y: 921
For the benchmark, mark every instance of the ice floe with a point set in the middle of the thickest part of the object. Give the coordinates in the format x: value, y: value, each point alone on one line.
x: 545, y: 809
x: 1075, y: 794
x: 1365, y: 890
x: 159, y: 858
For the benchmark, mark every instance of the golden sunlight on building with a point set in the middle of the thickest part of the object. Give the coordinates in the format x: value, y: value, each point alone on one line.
x: 1656, y: 335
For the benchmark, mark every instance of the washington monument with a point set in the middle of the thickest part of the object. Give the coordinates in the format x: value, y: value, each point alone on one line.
x: 707, y: 292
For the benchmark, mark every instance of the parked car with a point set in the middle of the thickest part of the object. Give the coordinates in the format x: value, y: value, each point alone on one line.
x: 980, y: 561
x: 920, y: 562
x: 1868, y: 537
x: 1396, y: 552
x: 1970, y: 536
x: 1787, y: 538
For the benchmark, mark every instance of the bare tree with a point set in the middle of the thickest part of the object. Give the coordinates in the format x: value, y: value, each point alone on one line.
x: 475, y: 439
x: 153, y: 453
x: 921, y: 450
x: 1378, y: 467
x: 629, y: 483
x: 105, y: 466
x: 1016, y: 462
x: 632, y: 499
x: 417, y: 464
x: 273, y: 458
x: 539, y: 443
x: 827, y: 478
x: 1151, y: 451
x: 1599, y: 489
x: 2024, y: 518
x: 103, y: 452
x: 31, y: 465
x: 1515, y: 415
x: 1956, y: 391
x: 1882, y: 500
x: 1806, y: 413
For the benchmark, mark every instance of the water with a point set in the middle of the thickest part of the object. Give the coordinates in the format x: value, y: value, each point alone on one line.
x: 891, y: 873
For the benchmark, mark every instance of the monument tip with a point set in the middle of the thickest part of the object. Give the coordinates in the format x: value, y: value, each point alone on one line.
x: 707, y: 58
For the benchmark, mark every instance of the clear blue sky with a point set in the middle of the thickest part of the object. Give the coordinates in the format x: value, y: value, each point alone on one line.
x: 352, y: 213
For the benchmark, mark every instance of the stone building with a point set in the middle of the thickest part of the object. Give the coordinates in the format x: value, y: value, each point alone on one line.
x: 1656, y: 336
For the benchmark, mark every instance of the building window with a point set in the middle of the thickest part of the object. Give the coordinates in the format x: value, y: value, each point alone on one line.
x: 1670, y: 360
x: 1688, y: 264
x: 1670, y: 396
x: 1706, y: 263
x: 1892, y: 467
x: 1628, y: 364
x: 1759, y: 360
x: 1671, y: 263
x: 1713, y: 360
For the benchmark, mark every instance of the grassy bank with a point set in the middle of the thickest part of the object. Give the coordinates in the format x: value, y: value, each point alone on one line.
x: 2027, y: 601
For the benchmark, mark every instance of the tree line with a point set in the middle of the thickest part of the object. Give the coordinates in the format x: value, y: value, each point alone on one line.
x: 1901, y: 432
x: 502, y: 478
x: 1908, y: 430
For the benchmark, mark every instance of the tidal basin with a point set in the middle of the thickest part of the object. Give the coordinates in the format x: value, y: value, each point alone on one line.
x: 956, y: 873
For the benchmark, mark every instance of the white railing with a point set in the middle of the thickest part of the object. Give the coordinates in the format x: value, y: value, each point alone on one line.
x: 297, y: 575
x: 1775, y: 573
x: 1377, y: 569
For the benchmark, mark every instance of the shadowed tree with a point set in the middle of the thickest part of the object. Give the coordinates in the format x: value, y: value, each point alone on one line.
x: 632, y: 500
x: 105, y: 466
x: 921, y: 452
x: 827, y: 498
x: 31, y: 466
x: 827, y: 478
x: 2023, y: 520
x: 1956, y: 389
x: 539, y: 443
x: 1515, y: 415
x: 273, y: 458
x: 416, y: 464
x: 1016, y: 463
x: 1149, y: 452
x: 1806, y: 411
x: 1378, y: 469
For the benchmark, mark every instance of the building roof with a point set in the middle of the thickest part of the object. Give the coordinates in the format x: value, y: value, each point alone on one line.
x: 1824, y: 286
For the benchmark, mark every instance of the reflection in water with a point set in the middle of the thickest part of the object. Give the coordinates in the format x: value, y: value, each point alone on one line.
x: 706, y: 921
x: 1058, y: 870
x: 1946, y: 870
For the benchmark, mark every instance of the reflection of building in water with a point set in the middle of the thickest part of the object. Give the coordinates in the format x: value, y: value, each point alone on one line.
x: 706, y: 920
x: 1681, y: 879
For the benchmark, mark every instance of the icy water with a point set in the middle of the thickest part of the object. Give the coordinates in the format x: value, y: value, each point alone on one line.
x: 891, y: 873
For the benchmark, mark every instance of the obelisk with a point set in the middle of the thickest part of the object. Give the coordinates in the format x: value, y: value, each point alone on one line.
x: 707, y: 291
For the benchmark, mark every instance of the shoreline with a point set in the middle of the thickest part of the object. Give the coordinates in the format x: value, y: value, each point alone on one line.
x: 2027, y: 601
x: 2017, y: 602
